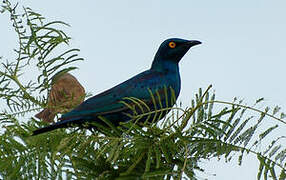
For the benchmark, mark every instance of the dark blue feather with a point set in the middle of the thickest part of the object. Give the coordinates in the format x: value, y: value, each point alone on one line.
x: 160, y: 78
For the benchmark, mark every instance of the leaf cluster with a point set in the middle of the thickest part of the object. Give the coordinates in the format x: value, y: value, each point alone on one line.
x: 171, y: 148
x: 42, y: 50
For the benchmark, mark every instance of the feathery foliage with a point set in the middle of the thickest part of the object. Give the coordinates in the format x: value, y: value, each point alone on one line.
x: 38, y: 41
x: 169, y: 149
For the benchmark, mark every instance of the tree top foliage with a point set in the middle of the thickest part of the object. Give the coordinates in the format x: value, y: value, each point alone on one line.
x: 169, y: 149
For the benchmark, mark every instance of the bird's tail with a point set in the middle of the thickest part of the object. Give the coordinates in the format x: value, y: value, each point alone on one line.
x: 64, y: 123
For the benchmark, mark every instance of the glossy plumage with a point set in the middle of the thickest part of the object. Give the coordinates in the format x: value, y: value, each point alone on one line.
x: 162, y: 77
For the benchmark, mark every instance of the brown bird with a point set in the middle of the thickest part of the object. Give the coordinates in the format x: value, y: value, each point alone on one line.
x: 66, y: 93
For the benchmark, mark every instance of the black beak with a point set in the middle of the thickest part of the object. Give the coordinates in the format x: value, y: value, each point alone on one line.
x: 193, y: 43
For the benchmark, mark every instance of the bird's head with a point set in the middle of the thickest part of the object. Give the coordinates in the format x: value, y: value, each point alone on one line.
x: 173, y: 50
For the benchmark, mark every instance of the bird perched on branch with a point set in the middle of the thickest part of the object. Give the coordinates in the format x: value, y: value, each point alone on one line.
x: 66, y: 93
x: 153, y: 87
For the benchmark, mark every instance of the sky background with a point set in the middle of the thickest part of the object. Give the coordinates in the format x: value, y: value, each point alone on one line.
x: 243, y: 52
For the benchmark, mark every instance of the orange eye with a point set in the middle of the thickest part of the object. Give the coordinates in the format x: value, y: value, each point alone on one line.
x: 172, y: 44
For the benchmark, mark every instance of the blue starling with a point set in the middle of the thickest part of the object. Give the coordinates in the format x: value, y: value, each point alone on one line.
x: 163, y: 74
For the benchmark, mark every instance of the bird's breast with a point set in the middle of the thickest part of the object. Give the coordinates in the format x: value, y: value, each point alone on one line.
x: 174, y: 82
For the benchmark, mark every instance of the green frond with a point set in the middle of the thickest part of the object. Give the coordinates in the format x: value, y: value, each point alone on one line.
x: 37, y: 41
x: 169, y: 149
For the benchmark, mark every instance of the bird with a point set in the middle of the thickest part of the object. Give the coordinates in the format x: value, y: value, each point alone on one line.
x: 66, y: 93
x: 149, y: 86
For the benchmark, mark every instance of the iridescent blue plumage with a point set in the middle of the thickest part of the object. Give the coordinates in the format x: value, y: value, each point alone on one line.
x: 162, y: 77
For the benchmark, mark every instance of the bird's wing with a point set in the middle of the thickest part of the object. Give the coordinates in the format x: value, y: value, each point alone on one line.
x: 108, y: 102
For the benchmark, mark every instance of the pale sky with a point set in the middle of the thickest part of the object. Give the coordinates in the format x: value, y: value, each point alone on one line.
x: 243, y: 52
